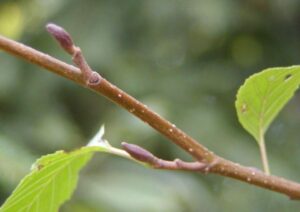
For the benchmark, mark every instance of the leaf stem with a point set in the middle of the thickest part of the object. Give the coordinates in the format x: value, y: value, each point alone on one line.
x: 263, y: 154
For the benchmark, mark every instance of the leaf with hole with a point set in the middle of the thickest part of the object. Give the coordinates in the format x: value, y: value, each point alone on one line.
x: 262, y: 97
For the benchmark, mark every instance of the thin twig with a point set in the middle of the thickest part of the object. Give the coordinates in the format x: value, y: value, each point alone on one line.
x: 219, y: 166
x: 145, y: 156
x: 64, y: 39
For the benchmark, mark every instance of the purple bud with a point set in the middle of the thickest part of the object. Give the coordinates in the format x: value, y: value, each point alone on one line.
x: 62, y: 36
x: 138, y: 153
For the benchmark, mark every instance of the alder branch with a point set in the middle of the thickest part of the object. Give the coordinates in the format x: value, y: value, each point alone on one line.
x: 98, y: 84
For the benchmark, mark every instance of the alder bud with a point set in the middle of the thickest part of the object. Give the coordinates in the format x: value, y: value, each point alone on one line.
x: 138, y: 153
x: 62, y: 36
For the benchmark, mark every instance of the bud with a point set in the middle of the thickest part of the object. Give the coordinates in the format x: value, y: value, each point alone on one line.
x: 62, y: 36
x: 139, y: 153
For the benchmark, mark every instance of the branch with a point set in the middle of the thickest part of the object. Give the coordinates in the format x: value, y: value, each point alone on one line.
x: 93, y: 81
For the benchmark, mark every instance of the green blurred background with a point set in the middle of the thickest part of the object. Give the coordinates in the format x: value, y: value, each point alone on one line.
x: 185, y: 60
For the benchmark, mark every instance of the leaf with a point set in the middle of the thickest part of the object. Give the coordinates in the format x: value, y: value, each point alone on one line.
x: 51, y: 182
x: 262, y: 97
x: 53, y: 177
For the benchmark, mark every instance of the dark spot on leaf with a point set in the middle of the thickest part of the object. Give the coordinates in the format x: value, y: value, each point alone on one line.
x: 40, y: 166
x: 287, y: 77
x: 244, y: 108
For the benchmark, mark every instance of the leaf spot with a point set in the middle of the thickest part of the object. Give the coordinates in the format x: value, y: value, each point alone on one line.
x: 287, y: 77
x: 40, y: 166
x: 244, y: 108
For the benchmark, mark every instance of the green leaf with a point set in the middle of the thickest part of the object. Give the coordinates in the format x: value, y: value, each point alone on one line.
x: 54, y: 177
x: 262, y: 97
x: 51, y: 182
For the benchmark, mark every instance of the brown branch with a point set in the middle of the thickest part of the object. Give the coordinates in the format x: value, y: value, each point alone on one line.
x: 219, y: 165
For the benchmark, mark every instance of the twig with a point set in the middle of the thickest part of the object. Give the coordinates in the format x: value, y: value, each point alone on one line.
x: 145, y: 156
x: 200, y: 153
x: 64, y: 39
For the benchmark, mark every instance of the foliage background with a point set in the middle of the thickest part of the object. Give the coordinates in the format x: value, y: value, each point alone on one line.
x: 184, y: 59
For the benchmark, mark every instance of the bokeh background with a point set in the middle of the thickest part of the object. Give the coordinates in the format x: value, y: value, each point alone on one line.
x: 184, y: 59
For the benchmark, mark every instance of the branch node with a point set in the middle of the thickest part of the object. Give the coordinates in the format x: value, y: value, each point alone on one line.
x: 210, y: 165
x: 94, y: 78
